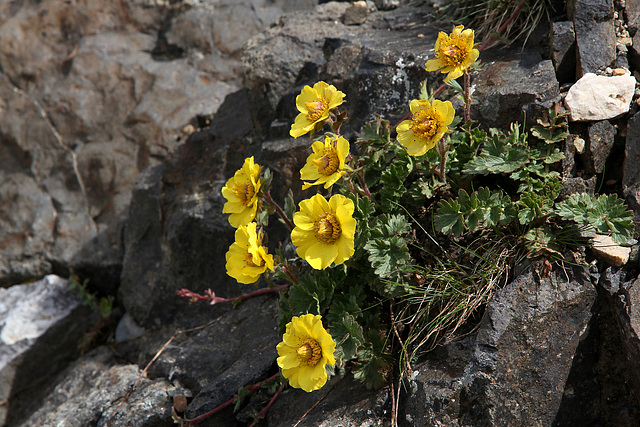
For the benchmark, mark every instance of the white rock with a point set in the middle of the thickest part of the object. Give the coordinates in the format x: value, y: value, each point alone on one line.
x: 599, y: 97
x: 613, y: 254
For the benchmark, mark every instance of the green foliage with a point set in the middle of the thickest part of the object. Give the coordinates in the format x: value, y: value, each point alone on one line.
x: 313, y: 293
x: 607, y: 214
x: 387, y: 245
x: 480, y: 209
x: 373, y: 361
x: 102, y: 305
x: 554, y: 129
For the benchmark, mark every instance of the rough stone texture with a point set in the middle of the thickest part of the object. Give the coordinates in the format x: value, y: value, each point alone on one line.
x: 595, y: 34
x: 509, y: 88
x: 601, y: 139
x: 607, y: 250
x: 562, y: 50
x: 631, y: 170
x: 91, y: 94
x: 602, y: 387
x: 377, y: 64
x: 348, y: 404
x: 40, y: 324
x: 599, y: 97
x: 525, y: 347
x: 90, y: 391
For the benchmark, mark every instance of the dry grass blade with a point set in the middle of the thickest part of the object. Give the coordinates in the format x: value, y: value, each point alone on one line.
x: 485, y: 17
x: 451, y: 293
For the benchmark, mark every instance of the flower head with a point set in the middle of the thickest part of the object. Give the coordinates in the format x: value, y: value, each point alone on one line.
x: 247, y: 259
x: 241, y: 193
x: 327, y: 163
x: 314, y: 104
x: 429, y: 124
x: 305, y: 351
x: 454, y: 53
x: 325, y: 230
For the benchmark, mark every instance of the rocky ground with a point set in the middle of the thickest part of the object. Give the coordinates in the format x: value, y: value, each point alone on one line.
x: 122, y: 120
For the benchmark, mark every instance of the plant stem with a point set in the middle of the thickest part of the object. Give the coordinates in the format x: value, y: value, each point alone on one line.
x: 364, y: 184
x: 443, y: 149
x: 264, y: 411
x: 218, y: 408
x: 515, y: 13
x: 210, y: 296
x: 467, y: 98
x: 267, y: 198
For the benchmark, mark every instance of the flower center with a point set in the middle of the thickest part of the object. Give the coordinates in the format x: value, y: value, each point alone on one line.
x: 316, y: 108
x: 424, y: 125
x: 328, y: 228
x: 244, y: 191
x: 328, y: 164
x: 309, y: 352
x: 452, y: 51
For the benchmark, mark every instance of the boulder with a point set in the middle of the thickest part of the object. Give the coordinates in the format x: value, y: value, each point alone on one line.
x: 40, y: 325
x: 599, y: 97
x: 595, y: 34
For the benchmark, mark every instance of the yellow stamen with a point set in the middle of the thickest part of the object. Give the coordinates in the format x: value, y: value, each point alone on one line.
x: 424, y: 125
x: 244, y: 191
x: 452, y: 50
x: 309, y: 352
x: 328, y: 228
x: 328, y: 164
x: 316, y: 108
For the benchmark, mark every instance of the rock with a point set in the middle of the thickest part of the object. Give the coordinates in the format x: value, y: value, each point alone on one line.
x: 595, y: 34
x: 356, y: 14
x: 599, y: 98
x: 577, y: 185
x: 348, y: 404
x: 607, y: 250
x: 601, y: 139
x: 40, y: 325
x: 101, y: 89
x: 631, y: 170
x: 525, y: 348
x: 602, y: 386
x: 525, y: 84
x: 562, y: 49
x: 91, y: 392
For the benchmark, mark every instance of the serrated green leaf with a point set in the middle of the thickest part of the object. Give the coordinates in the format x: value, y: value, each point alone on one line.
x: 346, y: 331
x: 449, y: 218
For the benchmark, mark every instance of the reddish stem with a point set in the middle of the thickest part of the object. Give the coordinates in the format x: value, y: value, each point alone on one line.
x: 264, y: 411
x: 250, y: 389
x: 285, y: 218
x: 210, y: 296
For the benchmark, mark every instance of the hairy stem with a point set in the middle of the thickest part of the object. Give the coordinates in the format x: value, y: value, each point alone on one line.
x: 268, y: 199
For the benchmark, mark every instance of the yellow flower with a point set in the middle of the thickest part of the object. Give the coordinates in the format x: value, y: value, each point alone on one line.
x: 314, y: 104
x: 454, y: 53
x: 324, y: 231
x: 247, y: 259
x: 241, y: 193
x: 327, y: 163
x: 429, y: 124
x: 305, y: 351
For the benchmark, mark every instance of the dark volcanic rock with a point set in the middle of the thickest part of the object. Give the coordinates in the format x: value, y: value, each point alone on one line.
x: 510, y: 89
x: 631, y: 169
x: 595, y: 34
x: 601, y: 139
x: 562, y: 49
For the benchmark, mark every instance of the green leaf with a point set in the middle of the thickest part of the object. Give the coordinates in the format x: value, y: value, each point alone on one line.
x: 449, y: 219
x: 346, y: 331
x: 312, y: 294
x: 606, y: 213
x: 387, y: 248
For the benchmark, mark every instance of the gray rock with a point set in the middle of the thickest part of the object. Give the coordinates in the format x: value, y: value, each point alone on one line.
x: 91, y: 95
x: 601, y: 139
x: 562, y: 49
x: 92, y: 392
x: 40, y: 325
x: 631, y: 170
x: 595, y: 34
x: 508, y: 89
x: 525, y: 347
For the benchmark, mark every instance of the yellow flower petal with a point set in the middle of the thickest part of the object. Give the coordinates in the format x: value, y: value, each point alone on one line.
x: 314, y: 104
x: 247, y: 259
x: 324, y: 230
x: 242, y: 194
x: 454, y: 53
x: 305, y: 351
x: 428, y: 125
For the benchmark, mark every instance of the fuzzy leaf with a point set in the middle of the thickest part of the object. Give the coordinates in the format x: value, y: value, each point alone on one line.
x: 449, y: 219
